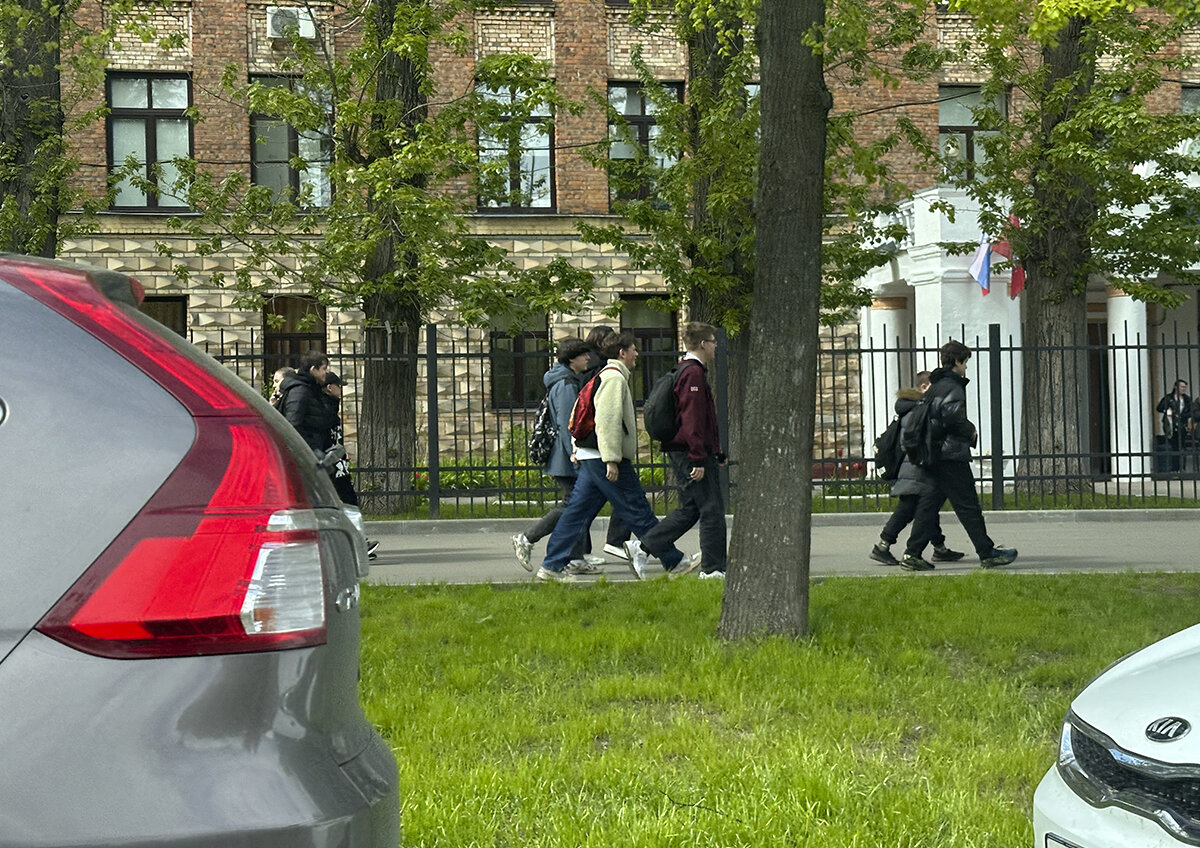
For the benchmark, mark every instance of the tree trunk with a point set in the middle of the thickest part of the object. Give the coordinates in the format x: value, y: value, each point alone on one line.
x: 31, y: 131
x: 1055, y: 369
x: 388, y: 429
x: 766, y: 592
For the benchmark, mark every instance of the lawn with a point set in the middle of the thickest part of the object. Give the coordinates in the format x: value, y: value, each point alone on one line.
x: 919, y: 712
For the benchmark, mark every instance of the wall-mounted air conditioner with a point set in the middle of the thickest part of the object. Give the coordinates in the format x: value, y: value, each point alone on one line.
x: 282, y: 18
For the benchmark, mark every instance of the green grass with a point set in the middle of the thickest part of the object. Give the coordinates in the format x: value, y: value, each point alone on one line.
x: 919, y: 712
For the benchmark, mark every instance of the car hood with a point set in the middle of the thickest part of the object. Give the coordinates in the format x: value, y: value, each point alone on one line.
x: 1162, y: 680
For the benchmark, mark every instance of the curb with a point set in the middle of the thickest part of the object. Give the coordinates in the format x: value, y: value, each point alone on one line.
x: 449, y: 526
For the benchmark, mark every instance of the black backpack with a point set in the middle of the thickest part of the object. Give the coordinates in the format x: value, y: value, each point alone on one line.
x: 543, y: 434
x: 659, y: 413
x: 916, y: 434
x: 888, y: 451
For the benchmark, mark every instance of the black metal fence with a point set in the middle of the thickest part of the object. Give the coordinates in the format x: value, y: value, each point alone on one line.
x: 453, y: 440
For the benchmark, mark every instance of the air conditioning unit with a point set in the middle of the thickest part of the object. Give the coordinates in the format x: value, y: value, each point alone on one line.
x: 280, y: 19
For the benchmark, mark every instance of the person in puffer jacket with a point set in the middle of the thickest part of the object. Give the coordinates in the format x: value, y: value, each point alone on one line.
x: 953, y: 437
x: 912, y: 482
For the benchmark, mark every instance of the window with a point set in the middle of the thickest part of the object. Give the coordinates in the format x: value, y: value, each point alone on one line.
x: 958, y: 132
x: 521, y: 172
x: 147, y: 121
x: 1191, y: 100
x: 292, y: 326
x: 168, y: 310
x: 633, y: 139
x: 275, y: 148
x: 519, y: 358
x: 656, y: 339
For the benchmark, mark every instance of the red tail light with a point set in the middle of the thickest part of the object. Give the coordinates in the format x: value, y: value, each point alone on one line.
x: 225, y: 556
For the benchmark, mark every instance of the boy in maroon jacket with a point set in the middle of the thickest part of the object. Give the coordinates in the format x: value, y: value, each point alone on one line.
x: 695, y: 456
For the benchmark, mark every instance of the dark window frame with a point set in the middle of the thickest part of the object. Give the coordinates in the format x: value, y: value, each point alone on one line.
x: 293, y: 145
x: 651, y: 362
x: 178, y: 300
x: 285, y: 347
x: 640, y: 125
x: 514, y: 171
x: 148, y: 115
x: 526, y: 388
x: 967, y: 131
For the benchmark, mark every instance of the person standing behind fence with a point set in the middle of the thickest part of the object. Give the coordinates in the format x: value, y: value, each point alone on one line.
x: 953, y: 437
x: 606, y: 471
x: 304, y: 403
x: 1176, y: 409
x: 695, y: 457
x: 618, y: 534
x: 562, y: 387
x: 912, y: 482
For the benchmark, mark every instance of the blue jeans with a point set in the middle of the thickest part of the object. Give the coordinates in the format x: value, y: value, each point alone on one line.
x: 592, y: 489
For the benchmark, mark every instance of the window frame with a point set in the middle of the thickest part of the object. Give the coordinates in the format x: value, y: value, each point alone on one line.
x: 967, y: 131
x: 514, y: 164
x: 149, y: 116
x: 519, y: 395
x: 651, y: 363
x: 286, y: 346
x: 294, y: 175
x: 641, y: 124
x: 177, y: 300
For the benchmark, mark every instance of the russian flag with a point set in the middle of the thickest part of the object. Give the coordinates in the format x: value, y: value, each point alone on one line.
x: 981, y: 265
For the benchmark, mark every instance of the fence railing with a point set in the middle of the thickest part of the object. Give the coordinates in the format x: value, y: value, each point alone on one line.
x: 440, y: 428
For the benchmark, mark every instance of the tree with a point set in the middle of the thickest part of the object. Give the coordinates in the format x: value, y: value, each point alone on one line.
x: 1094, y: 178
x: 390, y: 237
x: 767, y: 586
x: 38, y: 111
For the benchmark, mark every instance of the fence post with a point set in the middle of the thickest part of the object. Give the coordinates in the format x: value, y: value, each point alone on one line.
x: 722, y: 380
x: 431, y: 417
x: 997, y: 417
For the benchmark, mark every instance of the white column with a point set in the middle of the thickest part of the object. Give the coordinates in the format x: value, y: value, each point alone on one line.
x: 1131, y: 427
x: 885, y: 328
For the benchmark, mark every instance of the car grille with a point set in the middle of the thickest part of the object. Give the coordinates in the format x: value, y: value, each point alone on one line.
x: 1105, y: 774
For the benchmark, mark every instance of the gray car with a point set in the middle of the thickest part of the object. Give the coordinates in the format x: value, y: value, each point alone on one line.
x: 179, y: 623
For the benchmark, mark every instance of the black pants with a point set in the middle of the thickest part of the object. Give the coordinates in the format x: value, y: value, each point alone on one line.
x: 618, y: 533
x: 699, y: 500
x: 953, y: 482
x: 902, y: 515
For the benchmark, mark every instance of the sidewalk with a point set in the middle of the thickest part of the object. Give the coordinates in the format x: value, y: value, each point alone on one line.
x: 480, y: 550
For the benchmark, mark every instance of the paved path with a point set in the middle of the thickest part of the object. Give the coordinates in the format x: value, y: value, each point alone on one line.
x: 480, y: 551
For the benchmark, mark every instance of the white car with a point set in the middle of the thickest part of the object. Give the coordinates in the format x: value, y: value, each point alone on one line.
x: 1128, y: 770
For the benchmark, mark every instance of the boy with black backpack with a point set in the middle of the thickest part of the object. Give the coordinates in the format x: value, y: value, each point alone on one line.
x: 912, y: 482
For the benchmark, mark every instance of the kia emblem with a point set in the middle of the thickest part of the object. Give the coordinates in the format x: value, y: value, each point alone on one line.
x: 1167, y: 729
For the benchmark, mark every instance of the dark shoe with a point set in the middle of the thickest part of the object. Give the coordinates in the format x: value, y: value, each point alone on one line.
x: 944, y: 554
x: 998, y: 556
x: 883, y: 555
x: 915, y: 563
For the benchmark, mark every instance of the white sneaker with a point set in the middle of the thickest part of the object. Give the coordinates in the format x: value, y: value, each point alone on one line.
x: 523, y: 548
x: 616, y: 551
x: 711, y: 575
x: 581, y: 566
x: 686, y: 566
x: 637, y: 558
x: 546, y: 575
x: 592, y: 559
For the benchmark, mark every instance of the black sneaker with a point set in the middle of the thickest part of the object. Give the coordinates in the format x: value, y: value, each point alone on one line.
x: 915, y: 563
x: 883, y: 555
x: 944, y: 554
x: 998, y: 556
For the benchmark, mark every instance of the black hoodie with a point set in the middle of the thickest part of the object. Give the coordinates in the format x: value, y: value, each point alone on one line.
x: 305, y: 409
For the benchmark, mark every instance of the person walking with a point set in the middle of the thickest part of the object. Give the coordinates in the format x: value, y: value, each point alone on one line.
x: 1176, y: 409
x: 695, y: 457
x: 562, y: 384
x: 340, y: 472
x: 606, y: 472
x: 953, y: 437
x: 618, y: 534
x: 304, y: 404
x: 276, y: 398
x: 912, y: 482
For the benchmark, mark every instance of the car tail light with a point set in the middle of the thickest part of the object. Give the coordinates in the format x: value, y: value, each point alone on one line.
x: 225, y: 557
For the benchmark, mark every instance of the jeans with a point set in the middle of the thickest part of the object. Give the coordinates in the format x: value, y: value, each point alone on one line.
x: 592, y: 489
x: 699, y: 500
x: 544, y: 526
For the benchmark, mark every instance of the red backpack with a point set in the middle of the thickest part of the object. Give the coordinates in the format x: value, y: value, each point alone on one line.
x: 582, y: 423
